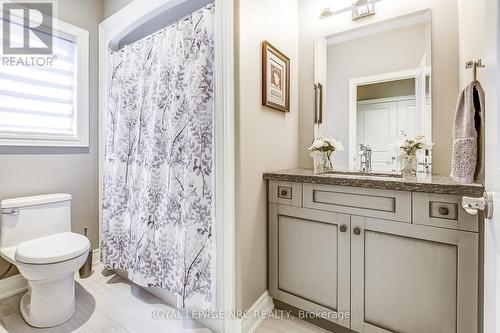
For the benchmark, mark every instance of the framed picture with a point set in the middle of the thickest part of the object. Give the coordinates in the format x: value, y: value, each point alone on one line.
x: 275, y: 78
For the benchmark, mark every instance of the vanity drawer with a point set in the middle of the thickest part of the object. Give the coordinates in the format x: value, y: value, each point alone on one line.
x: 441, y: 210
x: 285, y: 193
x: 383, y: 204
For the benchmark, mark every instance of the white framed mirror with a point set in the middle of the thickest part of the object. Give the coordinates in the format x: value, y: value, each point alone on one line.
x: 376, y: 86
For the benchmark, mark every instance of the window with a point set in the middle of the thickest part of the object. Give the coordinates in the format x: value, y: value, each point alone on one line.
x: 44, y: 98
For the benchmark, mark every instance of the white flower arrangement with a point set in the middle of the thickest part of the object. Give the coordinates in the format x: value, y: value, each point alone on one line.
x: 322, y: 150
x: 325, y: 144
x: 409, y: 146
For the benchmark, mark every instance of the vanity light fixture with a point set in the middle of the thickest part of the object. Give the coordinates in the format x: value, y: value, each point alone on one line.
x: 359, y: 9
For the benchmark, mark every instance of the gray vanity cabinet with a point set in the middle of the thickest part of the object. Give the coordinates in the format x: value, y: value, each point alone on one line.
x: 396, y: 261
x: 411, y: 278
x: 309, y: 259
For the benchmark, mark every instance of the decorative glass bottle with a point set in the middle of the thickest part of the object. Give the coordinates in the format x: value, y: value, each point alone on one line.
x: 409, y: 166
x: 323, y: 162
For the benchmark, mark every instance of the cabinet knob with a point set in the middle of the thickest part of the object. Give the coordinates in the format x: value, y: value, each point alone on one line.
x: 343, y: 228
x: 356, y: 231
x: 444, y: 211
x: 284, y: 192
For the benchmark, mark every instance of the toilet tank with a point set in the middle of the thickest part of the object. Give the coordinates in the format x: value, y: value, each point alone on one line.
x: 27, y: 218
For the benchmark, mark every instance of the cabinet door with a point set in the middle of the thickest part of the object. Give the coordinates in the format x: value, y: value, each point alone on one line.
x: 309, y: 260
x: 412, y: 279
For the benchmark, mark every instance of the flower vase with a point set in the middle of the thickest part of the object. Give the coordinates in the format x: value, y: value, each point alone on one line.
x: 323, y: 162
x: 409, y: 167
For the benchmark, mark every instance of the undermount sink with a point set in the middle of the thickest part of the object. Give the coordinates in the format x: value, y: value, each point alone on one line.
x: 366, y: 174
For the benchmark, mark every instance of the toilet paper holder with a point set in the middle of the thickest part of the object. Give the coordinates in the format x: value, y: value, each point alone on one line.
x: 474, y: 205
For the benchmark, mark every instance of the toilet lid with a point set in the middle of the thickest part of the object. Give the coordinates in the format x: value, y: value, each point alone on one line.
x: 52, y: 249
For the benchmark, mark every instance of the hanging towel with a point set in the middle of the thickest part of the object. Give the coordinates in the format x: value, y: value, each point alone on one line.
x: 467, y: 163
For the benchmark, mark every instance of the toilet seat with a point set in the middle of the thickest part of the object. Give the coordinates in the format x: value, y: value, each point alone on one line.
x: 52, y: 249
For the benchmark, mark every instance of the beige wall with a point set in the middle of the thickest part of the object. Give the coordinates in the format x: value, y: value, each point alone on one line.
x: 266, y: 139
x: 404, y: 87
x: 109, y: 7
x: 472, y: 15
x: 445, y: 65
x: 30, y: 171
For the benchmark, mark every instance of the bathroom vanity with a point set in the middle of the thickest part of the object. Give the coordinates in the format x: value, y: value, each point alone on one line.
x: 375, y: 254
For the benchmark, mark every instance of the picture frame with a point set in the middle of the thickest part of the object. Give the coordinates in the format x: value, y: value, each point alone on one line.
x: 275, y: 78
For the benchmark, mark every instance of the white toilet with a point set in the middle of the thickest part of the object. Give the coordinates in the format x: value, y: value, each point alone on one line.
x: 35, y: 235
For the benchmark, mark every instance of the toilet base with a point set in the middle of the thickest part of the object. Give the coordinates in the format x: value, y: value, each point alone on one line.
x: 49, y: 303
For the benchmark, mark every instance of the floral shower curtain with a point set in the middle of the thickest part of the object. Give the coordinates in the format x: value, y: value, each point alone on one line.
x: 158, y: 200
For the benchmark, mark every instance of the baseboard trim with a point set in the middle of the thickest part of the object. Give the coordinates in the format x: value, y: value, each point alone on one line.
x: 12, y: 285
x: 264, y: 305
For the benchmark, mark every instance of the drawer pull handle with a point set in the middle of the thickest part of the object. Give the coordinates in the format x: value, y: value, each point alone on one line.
x: 357, y: 231
x: 343, y: 228
x: 284, y: 193
x: 444, y: 211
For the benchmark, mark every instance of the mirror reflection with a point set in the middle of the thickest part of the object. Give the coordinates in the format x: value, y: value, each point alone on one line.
x: 374, y: 89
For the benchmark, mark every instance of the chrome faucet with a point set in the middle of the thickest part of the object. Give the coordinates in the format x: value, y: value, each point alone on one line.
x: 365, y: 161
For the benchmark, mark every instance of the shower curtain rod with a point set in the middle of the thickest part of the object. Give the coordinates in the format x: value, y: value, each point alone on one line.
x: 208, y: 6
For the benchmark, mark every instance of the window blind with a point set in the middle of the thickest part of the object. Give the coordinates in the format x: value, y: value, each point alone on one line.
x: 39, y: 100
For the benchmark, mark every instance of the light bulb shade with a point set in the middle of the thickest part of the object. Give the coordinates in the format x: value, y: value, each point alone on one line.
x: 360, y: 3
x: 359, y: 8
x: 363, y: 8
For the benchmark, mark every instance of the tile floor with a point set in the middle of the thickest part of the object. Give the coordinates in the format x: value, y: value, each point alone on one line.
x: 108, y: 303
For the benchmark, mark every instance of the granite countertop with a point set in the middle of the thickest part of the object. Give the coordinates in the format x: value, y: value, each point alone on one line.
x: 430, y: 184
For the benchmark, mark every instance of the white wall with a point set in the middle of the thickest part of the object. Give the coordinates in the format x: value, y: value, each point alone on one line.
x: 445, y: 61
x: 266, y: 139
x: 389, y: 51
